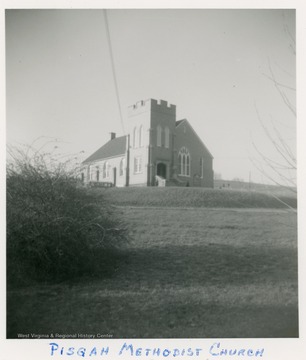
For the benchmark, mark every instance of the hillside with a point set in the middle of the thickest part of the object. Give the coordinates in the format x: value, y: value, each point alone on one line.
x: 185, y: 273
x: 195, y: 197
x: 250, y: 186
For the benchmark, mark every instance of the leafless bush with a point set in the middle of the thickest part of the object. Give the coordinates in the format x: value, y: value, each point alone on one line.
x: 56, y: 229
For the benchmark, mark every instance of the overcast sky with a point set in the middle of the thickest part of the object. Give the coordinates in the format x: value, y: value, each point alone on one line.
x: 212, y: 64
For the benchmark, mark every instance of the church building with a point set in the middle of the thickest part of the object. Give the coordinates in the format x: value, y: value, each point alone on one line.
x: 158, y: 150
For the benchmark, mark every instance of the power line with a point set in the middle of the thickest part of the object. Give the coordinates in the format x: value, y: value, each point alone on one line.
x: 113, y: 69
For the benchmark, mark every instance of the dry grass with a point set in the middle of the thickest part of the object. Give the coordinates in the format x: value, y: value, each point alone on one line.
x: 196, y: 197
x: 187, y: 273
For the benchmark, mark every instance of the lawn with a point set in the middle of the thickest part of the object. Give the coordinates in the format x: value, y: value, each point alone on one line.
x: 186, y: 273
x: 198, y: 197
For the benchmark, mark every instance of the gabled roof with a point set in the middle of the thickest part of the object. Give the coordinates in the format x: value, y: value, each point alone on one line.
x: 114, y: 147
x: 179, y: 122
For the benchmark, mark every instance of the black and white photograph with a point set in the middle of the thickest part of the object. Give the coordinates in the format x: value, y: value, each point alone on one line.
x: 151, y: 177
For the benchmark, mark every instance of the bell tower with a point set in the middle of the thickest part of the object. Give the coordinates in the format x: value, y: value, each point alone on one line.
x: 151, y: 129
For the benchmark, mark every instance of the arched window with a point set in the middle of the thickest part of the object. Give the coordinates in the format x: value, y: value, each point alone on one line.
x: 135, y: 137
x: 167, y: 137
x: 188, y: 165
x: 184, y: 162
x: 159, y: 135
x: 140, y: 137
x: 121, y: 168
x: 180, y: 169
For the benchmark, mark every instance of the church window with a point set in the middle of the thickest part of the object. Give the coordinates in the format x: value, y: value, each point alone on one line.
x: 135, y: 137
x: 167, y: 137
x: 137, y: 165
x: 184, y: 162
x: 180, y: 168
x: 141, y: 136
x: 187, y: 165
x: 121, y: 168
x: 159, y: 135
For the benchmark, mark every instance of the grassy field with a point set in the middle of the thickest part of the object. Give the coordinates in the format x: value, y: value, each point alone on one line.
x: 187, y: 273
x: 197, y: 197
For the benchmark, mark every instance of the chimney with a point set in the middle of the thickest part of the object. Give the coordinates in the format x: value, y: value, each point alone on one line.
x: 113, y: 135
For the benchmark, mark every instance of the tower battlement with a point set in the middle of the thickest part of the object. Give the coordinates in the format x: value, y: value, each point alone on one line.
x: 162, y: 105
x: 151, y: 104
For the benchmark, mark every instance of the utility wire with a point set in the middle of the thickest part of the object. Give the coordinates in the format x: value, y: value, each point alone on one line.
x: 113, y: 68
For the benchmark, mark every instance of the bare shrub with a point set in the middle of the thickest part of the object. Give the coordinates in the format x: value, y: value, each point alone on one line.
x: 56, y: 229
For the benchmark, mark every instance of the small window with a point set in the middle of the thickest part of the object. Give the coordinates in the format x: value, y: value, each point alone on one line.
x: 137, y: 165
x: 97, y: 175
x: 159, y: 135
x: 167, y: 137
x: 121, y: 168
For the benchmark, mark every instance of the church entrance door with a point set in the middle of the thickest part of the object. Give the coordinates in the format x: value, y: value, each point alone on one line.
x: 162, y: 170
